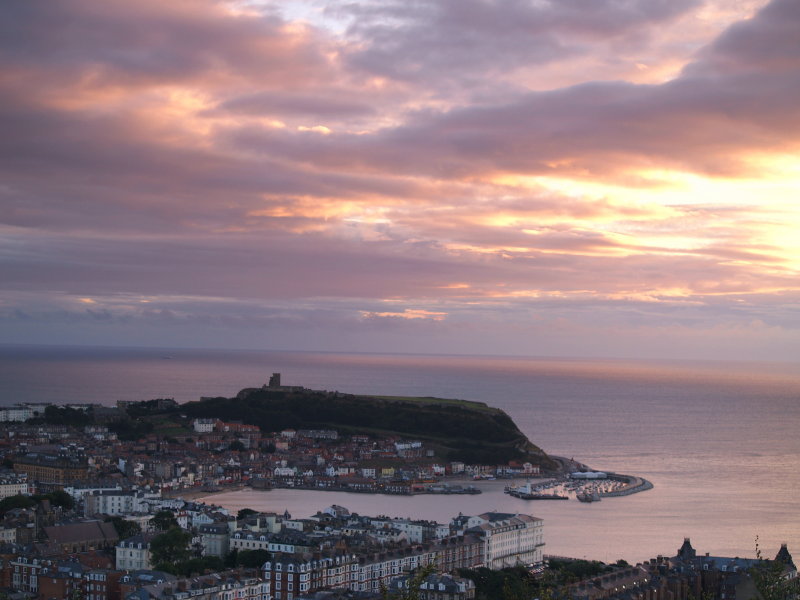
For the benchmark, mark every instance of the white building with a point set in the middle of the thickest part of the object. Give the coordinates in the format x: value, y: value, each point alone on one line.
x: 417, y: 531
x: 8, y: 536
x: 204, y: 425
x: 109, y: 502
x: 284, y: 471
x: 509, y: 539
x: 288, y: 541
x: 20, y: 412
x: 215, y: 539
x: 14, y: 485
x: 133, y: 554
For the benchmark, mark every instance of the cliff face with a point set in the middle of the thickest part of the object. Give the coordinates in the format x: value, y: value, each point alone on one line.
x: 471, y: 432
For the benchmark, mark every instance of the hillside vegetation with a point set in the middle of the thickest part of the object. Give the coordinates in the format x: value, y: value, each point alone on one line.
x: 459, y: 430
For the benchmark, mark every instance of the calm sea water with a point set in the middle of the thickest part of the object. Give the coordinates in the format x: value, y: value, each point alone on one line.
x: 719, y: 440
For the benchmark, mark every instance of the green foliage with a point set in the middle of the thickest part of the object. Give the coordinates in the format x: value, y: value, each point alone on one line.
x: 770, y: 581
x: 468, y: 434
x: 147, y: 407
x: 515, y: 583
x: 568, y: 571
x: 244, y: 513
x: 518, y: 583
x: 192, y: 566
x: 253, y: 559
x: 18, y: 501
x: 56, y: 498
x: 64, y: 415
x: 412, y: 591
x: 131, y: 431
x: 164, y: 520
x: 231, y: 559
x: 59, y: 498
x: 124, y: 528
x: 170, y: 548
x: 236, y: 446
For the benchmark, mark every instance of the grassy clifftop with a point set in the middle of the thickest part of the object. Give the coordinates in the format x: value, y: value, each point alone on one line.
x: 472, y: 432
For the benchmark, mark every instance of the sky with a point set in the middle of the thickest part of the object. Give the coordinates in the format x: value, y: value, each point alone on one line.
x: 612, y: 178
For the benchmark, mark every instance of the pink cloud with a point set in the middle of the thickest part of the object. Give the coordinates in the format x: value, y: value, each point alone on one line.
x: 294, y: 175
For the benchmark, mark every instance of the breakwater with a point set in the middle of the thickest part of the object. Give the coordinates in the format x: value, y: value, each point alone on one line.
x: 634, y: 484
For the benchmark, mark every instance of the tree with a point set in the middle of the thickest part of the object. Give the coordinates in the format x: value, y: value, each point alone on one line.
x: 169, y: 548
x: 511, y: 583
x: 164, y: 520
x: 196, y: 566
x: 252, y: 559
x: 411, y: 590
x: 61, y: 498
x: 18, y: 501
x: 124, y: 528
x: 232, y: 559
x: 770, y: 579
x: 131, y: 430
x: 244, y: 513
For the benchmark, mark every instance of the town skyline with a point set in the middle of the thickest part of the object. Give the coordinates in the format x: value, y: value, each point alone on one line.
x: 472, y: 177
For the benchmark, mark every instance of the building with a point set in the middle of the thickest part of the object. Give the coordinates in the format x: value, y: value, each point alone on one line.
x: 297, y: 575
x: 14, y: 485
x: 63, y: 580
x: 436, y: 587
x: 134, y: 580
x: 109, y: 502
x: 228, y: 585
x: 418, y: 531
x: 204, y: 425
x: 509, y: 539
x: 21, y: 412
x: 728, y: 578
x: 288, y: 578
x: 215, y: 539
x: 631, y: 583
x: 68, y: 465
x: 82, y: 536
x: 133, y: 554
x: 289, y: 541
x: 25, y: 573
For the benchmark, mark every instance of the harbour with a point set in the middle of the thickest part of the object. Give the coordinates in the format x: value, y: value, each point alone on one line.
x: 586, y: 487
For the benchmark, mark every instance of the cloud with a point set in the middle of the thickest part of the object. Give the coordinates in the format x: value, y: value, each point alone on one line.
x: 210, y: 165
x: 470, y: 39
x: 708, y: 120
x: 297, y: 104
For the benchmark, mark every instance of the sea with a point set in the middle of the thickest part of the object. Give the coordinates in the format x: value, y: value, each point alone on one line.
x: 720, y: 441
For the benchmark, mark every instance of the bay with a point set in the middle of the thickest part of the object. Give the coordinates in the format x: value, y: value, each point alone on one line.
x: 718, y: 439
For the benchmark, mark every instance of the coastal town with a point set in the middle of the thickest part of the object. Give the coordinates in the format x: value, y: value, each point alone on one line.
x: 102, y: 503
